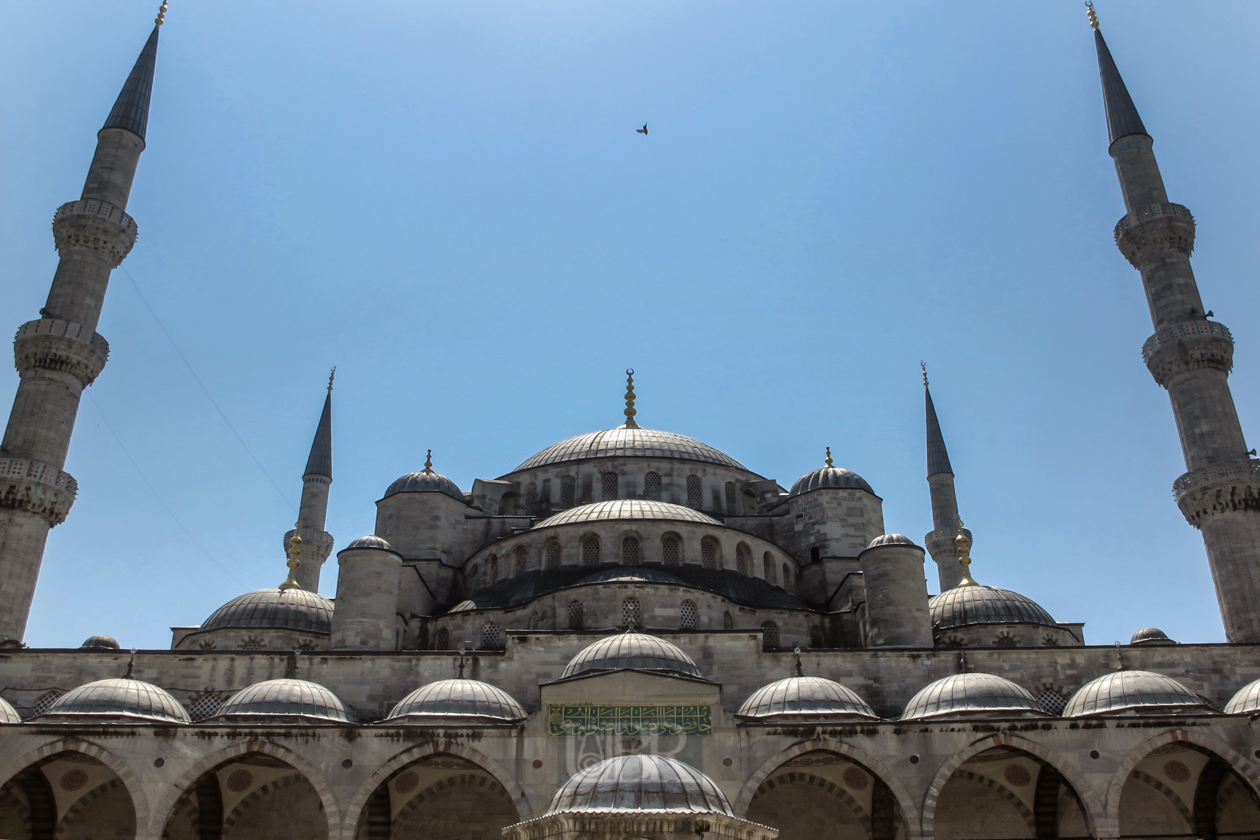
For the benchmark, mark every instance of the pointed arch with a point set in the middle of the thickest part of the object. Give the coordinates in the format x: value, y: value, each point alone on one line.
x: 130, y: 781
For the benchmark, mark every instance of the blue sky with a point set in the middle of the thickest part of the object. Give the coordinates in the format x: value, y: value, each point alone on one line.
x: 448, y: 202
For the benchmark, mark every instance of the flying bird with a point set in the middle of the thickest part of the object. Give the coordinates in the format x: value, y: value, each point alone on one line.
x: 642, y: 130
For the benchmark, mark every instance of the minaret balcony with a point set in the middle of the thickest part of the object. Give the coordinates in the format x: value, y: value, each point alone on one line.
x: 37, y: 488
x: 1153, y: 231
x: 95, y: 225
x: 1217, y: 489
x: 60, y: 346
x: 1187, y: 346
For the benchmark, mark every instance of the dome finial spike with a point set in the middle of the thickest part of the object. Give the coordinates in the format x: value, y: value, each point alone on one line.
x: 131, y: 666
x: 1121, y: 665
x: 799, y: 671
x: 827, y: 460
x: 331, y: 375
x: 630, y: 412
x: 161, y: 18
x: 1093, y: 17
x: 428, y: 462
x: 924, y: 366
x: 295, y: 551
x: 964, y: 556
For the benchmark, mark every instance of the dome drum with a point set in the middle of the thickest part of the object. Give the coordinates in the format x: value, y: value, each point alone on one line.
x: 998, y: 635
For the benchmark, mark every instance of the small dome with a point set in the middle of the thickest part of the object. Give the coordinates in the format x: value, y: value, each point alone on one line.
x: 1151, y: 636
x: 100, y: 643
x: 1246, y: 701
x: 830, y: 478
x: 805, y: 697
x: 636, y: 651
x: 8, y: 714
x: 370, y: 541
x: 629, y: 443
x: 1137, y: 692
x: 891, y: 539
x: 274, y: 609
x: 425, y: 481
x: 640, y: 783
x: 469, y: 701
x: 969, y: 605
x: 631, y: 574
x: 286, y: 698
x: 970, y: 694
x: 117, y: 698
x: 627, y: 509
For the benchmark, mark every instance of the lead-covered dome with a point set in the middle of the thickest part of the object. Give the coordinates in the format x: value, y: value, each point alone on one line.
x: 635, y: 651
x: 891, y: 539
x: 623, y: 442
x: 830, y: 478
x: 965, y: 606
x: 370, y: 541
x: 1246, y: 701
x: 425, y: 481
x: 274, y: 609
x: 1151, y: 636
x: 285, y: 698
x: 805, y: 698
x: 970, y: 694
x: 641, y: 784
x: 8, y: 714
x: 461, y: 700
x: 634, y: 509
x: 117, y: 699
x: 1133, y: 692
x: 99, y: 643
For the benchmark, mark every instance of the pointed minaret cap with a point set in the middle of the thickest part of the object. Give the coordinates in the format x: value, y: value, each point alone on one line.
x: 937, y: 456
x: 131, y: 109
x: 320, y: 460
x: 1122, y: 115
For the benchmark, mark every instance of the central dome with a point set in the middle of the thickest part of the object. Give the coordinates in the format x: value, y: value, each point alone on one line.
x: 640, y: 783
x: 622, y: 442
x: 627, y: 509
x: 635, y: 651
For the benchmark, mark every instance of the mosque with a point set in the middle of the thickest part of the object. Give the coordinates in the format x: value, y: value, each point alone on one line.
x: 630, y: 634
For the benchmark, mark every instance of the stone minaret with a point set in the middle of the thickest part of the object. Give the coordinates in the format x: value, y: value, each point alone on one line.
x: 60, y: 354
x: 945, y: 521
x: 1191, y: 357
x: 316, y: 543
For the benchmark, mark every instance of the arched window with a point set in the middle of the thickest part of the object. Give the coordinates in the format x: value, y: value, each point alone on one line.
x: 551, y: 555
x: 575, y: 615
x: 693, y: 492
x: 252, y: 643
x: 787, y: 576
x: 568, y: 491
x: 491, y: 636
x: 671, y: 550
x: 743, y: 559
x: 590, y: 551
x: 632, y: 613
x: 492, y: 568
x: 689, y: 617
x: 767, y: 568
x: 709, y: 553
x: 608, y: 486
x: 816, y: 637
x: 731, y: 498
x: 518, y: 560
x: 531, y: 499
x: 630, y: 555
x: 815, y: 554
x: 443, y: 640
x: 652, y: 487
x: 728, y: 623
x: 769, y: 636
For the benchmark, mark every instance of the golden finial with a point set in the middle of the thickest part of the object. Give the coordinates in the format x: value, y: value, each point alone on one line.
x: 1093, y: 18
x: 828, y: 458
x: 922, y: 365
x: 428, y: 462
x: 331, y: 375
x: 964, y: 556
x: 630, y: 412
x: 161, y: 18
x: 295, y: 551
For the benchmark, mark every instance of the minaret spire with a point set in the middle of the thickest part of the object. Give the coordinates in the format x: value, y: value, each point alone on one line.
x: 1191, y: 357
x: 314, y: 544
x: 60, y: 354
x: 940, y: 541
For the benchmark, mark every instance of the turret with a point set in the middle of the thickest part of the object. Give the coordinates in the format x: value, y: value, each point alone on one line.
x: 896, y: 594
x: 940, y: 540
x: 316, y: 543
x: 364, y: 613
x: 1191, y: 357
x: 60, y: 354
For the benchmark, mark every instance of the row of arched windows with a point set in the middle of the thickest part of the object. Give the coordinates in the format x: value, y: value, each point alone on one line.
x: 493, y: 638
x: 610, y: 489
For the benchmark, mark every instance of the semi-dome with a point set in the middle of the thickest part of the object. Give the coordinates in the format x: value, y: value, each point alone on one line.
x: 965, y: 606
x: 890, y: 539
x: 99, y: 643
x: 274, y: 609
x: 639, y: 783
x: 124, y: 698
x: 623, y: 442
x: 637, y: 651
x: 1246, y: 701
x: 8, y: 714
x: 370, y: 541
x: 285, y: 698
x: 1134, y: 692
x: 425, y: 481
x: 798, y: 698
x: 830, y: 478
x: 633, y: 509
x: 970, y: 694
x: 461, y: 700
x: 1151, y: 636
x: 632, y: 574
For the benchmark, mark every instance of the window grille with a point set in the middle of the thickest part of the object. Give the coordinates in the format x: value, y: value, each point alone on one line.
x: 252, y: 643
x: 709, y: 553
x: 590, y: 551
x: 608, y: 486
x: 204, y: 705
x: 568, y: 490
x: 769, y: 636
x: 816, y: 637
x: 730, y: 498
x: 767, y: 567
x: 1005, y: 640
x: 671, y: 550
x: 743, y: 559
x: 45, y: 701
x: 575, y: 615
x: 630, y: 555
x: 632, y: 613
x: 531, y: 499
x: 690, y: 618
x: 443, y: 641
x: 1052, y: 701
x: 518, y: 560
x: 491, y: 636
x: 693, y: 492
x: 492, y: 568
x: 552, y: 552
x: 728, y: 623
x: 652, y: 487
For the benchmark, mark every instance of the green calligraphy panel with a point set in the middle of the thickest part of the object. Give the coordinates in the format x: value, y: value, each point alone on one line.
x: 629, y: 720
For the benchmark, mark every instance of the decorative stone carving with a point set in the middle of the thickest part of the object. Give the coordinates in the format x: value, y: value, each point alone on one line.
x: 64, y: 346
x: 36, y: 488
x: 1189, y: 345
x: 1153, y: 230
x: 1227, y: 487
x: 95, y: 225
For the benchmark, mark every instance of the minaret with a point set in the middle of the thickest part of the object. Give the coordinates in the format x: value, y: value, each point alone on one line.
x: 60, y: 354
x: 316, y: 543
x: 945, y: 522
x: 1191, y: 357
